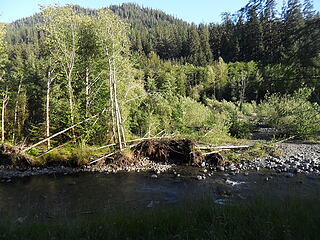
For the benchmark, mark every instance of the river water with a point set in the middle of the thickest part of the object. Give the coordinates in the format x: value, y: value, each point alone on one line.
x: 52, y: 197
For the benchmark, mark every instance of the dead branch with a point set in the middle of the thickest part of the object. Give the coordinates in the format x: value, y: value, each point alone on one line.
x: 106, y: 146
x: 102, y: 158
x: 59, y: 133
x: 233, y: 147
x: 147, y: 138
x: 213, y: 152
x: 222, y: 147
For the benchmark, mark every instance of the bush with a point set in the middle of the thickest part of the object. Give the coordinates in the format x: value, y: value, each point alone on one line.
x: 249, y: 109
x: 292, y: 115
x: 223, y: 106
x: 201, y: 123
x: 239, y: 125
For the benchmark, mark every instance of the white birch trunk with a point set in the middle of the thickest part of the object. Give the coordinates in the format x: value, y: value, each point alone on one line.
x: 3, y: 112
x: 15, y: 121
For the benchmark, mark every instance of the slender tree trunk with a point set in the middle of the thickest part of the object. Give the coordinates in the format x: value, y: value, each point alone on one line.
x: 243, y: 90
x: 3, y: 112
x: 69, y: 76
x: 116, y: 106
x: 87, y: 92
x: 111, y: 101
x: 15, y: 121
x: 70, y: 91
x: 120, y: 125
x: 48, y: 110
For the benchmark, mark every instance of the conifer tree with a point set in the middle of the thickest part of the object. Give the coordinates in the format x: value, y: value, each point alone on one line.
x: 205, y: 45
x: 194, y: 45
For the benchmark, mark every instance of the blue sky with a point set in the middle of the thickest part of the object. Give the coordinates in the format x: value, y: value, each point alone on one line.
x: 198, y: 11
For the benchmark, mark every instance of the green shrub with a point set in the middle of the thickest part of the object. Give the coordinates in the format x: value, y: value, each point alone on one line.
x: 240, y: 127
x: 292, y: 115
x: 34, y: 152
x: 75, y: 155
x: 201, y: 123
x: 222, y: 106
x: 249, y: 109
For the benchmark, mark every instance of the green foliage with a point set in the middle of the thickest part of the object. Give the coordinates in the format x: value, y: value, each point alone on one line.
x: 172, y: 77
x: 292, y: 115
x: 258, y: 150
x: 34, y: 152
x: 238, y: 119
x: 249, y: 109
x: 71, y: 156
x: 3, y: 52
x: 199, y: 122
x: 261, y: 150
x: 240, y: 127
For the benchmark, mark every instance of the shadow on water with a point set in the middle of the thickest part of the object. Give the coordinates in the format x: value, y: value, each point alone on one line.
x: 51, y: 197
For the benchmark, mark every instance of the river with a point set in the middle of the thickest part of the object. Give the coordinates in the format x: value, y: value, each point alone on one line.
x: 52, y: 197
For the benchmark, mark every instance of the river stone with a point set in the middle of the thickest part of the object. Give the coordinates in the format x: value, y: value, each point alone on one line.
x: 199, y: 177
x: 220, y: 168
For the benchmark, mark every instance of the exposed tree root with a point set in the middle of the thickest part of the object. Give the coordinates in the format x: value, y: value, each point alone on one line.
x: 11, y: 155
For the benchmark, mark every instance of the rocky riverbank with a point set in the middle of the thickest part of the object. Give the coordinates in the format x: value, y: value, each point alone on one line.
x: 145, y: 165
x: 296, y: 158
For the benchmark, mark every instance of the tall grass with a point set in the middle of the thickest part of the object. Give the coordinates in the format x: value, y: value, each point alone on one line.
x: 261, y: 218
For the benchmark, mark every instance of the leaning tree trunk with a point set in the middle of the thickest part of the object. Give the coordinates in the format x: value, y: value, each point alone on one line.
x: 117, y: 125
x: 120, y: 125
x: 115, y: 106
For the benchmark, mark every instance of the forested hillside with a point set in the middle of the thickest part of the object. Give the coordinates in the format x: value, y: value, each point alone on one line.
x: 132, y: 72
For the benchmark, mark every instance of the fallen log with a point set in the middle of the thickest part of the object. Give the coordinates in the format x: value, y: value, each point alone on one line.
x: 222, y: 147
x: 59, y: 133
x: 209, y: 153
x: 233, y: 147
x: 131, y: 141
